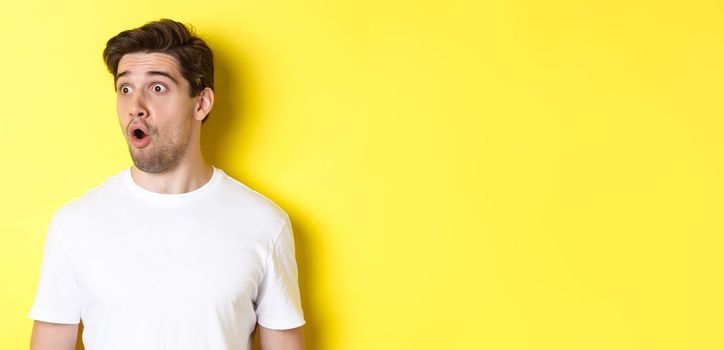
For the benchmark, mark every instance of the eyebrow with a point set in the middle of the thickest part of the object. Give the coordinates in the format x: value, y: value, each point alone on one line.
x: 150, y: 73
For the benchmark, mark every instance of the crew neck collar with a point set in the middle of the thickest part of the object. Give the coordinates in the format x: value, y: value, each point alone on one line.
x: 171, y: 198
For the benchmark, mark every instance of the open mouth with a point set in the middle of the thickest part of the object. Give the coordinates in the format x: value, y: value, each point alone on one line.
x: 139, y: 134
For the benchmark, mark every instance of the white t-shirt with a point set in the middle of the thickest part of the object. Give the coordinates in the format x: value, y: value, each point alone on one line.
x: 146, y: 270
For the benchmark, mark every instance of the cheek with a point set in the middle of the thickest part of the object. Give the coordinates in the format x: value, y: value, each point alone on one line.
x: 122, y: 116
x: 122, y: 107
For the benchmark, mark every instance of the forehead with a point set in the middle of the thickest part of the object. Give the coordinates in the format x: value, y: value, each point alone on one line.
x: 142, y: 62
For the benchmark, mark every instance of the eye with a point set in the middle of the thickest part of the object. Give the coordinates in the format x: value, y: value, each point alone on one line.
x: 159, y: 88
x: 125, y: 89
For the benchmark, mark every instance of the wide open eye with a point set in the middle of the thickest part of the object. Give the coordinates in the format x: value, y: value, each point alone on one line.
x: 159, y: 88
x: 125, y: 89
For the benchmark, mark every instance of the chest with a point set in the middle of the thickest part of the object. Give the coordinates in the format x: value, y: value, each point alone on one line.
x: 170, y: 262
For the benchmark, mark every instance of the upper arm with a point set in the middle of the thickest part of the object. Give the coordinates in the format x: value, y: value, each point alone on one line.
x: 285, y: 339
x: 278, y: 303
x: 53, y: 336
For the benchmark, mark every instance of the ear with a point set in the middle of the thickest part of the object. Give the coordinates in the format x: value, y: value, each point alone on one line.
x: 204, y: 104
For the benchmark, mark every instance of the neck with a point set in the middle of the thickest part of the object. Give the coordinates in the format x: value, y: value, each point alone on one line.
x: 189, y: 175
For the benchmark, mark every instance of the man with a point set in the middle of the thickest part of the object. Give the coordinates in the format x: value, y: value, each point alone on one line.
x: 170, y: 253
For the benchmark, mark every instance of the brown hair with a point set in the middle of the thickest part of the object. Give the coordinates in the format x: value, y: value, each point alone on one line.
x: 194, y: 57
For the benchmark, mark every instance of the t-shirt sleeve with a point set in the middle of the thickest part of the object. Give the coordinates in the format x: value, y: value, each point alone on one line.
x: 278, y: 301
x: 57, y: 299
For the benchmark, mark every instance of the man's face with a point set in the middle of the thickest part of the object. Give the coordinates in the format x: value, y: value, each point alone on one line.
x: 154, y: 110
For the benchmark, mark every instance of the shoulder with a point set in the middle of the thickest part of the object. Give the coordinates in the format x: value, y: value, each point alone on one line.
x: 246, y: 210
x: 94, y: 200
x: 245, y: 201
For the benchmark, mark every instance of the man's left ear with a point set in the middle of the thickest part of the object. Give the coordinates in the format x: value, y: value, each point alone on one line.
x: 204, y: 104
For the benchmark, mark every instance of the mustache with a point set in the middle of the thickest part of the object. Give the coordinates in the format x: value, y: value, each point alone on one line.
x: 150, y: 128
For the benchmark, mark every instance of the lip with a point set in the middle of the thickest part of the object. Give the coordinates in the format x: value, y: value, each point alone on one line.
x: 136, y: 142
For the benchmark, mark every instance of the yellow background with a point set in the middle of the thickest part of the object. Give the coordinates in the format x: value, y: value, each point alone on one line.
x: 459, y: 174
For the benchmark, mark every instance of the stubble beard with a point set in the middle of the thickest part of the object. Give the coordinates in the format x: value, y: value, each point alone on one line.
x: 162, y: 154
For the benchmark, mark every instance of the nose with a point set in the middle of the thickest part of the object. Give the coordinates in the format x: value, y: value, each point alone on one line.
x: 138, y: 107
x: 139, y: 114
